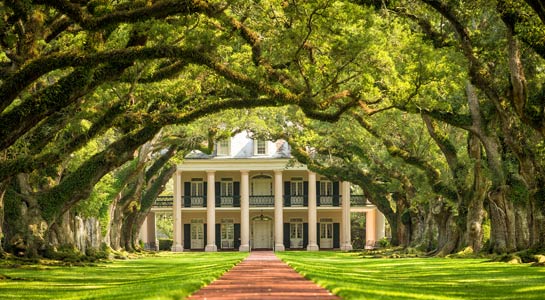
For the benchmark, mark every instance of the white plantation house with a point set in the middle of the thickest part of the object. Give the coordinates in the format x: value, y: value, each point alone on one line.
x: 247, y: 195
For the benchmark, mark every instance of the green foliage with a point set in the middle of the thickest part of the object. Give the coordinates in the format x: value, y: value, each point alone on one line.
x: 165, y: 225
x: 384, y: 242
x: 165, y: 244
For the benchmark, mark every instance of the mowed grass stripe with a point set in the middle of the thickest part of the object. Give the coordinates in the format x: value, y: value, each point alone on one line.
x: 165, y: 276
x: 352, y: 277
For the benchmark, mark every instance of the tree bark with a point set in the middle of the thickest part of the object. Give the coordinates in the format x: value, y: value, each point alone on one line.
x: 25, y: 230
x: 502, y: 218
x: 522, y: 229
x: 537, y: 215
x: 475, y: 215
x: 114, y: 228
x: 2, y: 193
x: 403, y: 220
x: 447, y: 230
x: 429, y: 238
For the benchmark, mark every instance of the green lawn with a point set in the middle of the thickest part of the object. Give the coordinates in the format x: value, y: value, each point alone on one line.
x: 165, y: 276
x: 352, y: 277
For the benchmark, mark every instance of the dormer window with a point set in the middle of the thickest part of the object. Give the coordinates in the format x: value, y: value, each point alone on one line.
x: 260, y: 147
x: 222, y: 147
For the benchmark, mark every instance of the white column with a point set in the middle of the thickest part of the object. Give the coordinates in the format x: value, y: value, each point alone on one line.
x: 244, y: 211
x: 312, y: 234
x: 370, y: 221
x: 346, y: 243
x: 278, y: 212
x: 144, y: 232
x: 152, y: 234
x: 177, y: 243
x: 211, y: 212
x: 379, y: 233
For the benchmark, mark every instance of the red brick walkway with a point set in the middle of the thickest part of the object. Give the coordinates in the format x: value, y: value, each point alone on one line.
x: 262, y: 276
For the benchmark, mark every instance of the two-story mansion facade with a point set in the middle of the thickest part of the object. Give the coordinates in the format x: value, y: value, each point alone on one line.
x: 250, y: 195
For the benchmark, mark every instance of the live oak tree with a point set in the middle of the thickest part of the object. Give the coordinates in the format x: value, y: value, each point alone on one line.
x: 150, y: 64
x: 85, y: 85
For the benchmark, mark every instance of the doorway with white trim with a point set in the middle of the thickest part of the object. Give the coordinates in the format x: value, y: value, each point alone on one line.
x: 262, y: 233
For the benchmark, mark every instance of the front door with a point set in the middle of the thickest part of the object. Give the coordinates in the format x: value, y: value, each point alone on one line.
x: 326, y: 235
x: 262, y: 234
x: 197, y: 234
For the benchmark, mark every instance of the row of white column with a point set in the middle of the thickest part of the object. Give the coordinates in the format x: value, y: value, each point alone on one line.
x: 245, y: 213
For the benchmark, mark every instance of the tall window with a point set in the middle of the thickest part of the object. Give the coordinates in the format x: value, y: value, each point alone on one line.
x: 296, y: 230
x: 227, y: 233
x: 197, y: 187
x: 226, y: 187
x: 326, y: 230
x: 222, y: 147
x: 297, y: 186
x: 326, y: 188
x: 260, y: 147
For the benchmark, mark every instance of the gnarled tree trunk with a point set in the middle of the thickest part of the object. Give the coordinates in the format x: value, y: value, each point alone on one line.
x: 475, y: 206
x: 537, y: 217
x: 448, y: 235
x: 502, y: 218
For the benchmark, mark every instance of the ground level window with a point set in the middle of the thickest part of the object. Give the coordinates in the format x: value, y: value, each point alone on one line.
x: 197, y: 234
x: 326, y: 235
x: 326, y: 230
x: 296, y: 235
x: 227, y: 234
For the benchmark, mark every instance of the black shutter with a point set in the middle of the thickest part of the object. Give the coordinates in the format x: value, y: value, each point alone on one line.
x: 336, y: 195
x: 318, y: 234
x: 287, y: 193
x: 187, y: 236
x: 317, y: 193
x: 205, y: 236
x: 187, y: 194
x: 305, y: 235
x: 286, y: 235
x: 217, y: 187
x: 305, y: 193
x: 336, y: 235
x: 205, y: 194
x: 236, y: 195
x: 218, y: 236
x: 237, y: 236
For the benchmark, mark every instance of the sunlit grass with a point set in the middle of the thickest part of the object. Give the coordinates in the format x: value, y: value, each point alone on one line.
x: 165, y: 276
x: 352, y: 277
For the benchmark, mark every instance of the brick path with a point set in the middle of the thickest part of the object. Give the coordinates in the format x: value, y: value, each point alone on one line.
x: 262, y: 276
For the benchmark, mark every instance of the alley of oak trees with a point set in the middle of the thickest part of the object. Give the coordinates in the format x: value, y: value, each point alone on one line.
x: 434, y: 108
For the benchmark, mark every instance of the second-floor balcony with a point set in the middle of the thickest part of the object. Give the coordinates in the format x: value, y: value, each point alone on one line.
x: 263, y: 201
x: 227, y: 201
x: 164, y: 201
x: 194, y: 201
x: 328, y: 200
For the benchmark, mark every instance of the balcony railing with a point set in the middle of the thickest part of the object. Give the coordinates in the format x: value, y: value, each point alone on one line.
x: 228, y: 201
x: 295, y: 200
x: 262, y: 201
x: 358, y: 200
x: 164, y: 201
x: 298, y: 200
x: 329, y: 200
x: 194, y: 201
